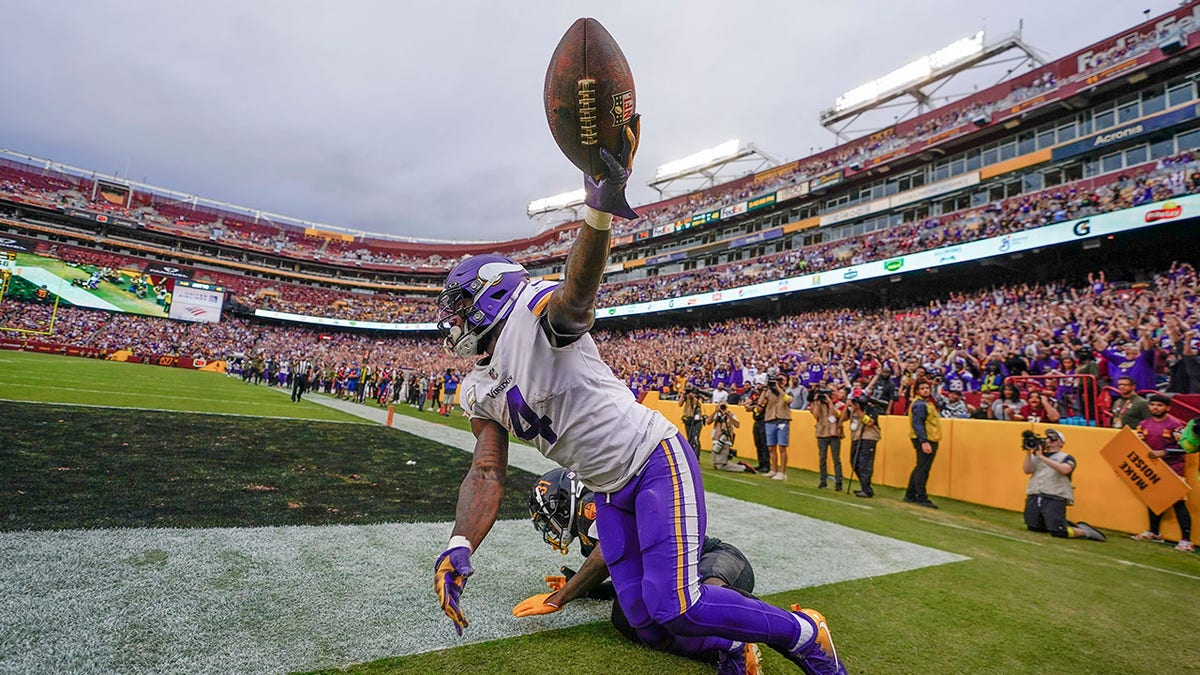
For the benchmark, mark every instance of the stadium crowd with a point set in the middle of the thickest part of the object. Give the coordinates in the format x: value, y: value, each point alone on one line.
x: 1166, y: 178
x: 1169, y: 177
x: 968, y: 342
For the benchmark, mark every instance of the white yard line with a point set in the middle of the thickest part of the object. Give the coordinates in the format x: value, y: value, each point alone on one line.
x: 1157, y: 569
x: 981, y: 531
x: 736, y: 480
x: 831, y: 500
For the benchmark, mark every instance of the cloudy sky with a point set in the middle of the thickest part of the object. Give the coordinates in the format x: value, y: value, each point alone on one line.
x: 426, y: 120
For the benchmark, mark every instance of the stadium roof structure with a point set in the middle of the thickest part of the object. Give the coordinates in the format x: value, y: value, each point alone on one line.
x: 709, y: 167
x: 920, y: 81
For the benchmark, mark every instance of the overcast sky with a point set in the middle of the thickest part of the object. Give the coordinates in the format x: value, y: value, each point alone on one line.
x: 426, y: 119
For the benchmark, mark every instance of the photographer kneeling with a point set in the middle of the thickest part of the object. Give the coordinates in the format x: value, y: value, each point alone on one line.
x: 1050, y: 489
x: 724, y: 423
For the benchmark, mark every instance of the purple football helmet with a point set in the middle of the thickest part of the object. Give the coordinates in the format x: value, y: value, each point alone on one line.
x: 480, y: 292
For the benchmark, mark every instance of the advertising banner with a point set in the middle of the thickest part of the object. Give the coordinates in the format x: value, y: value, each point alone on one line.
x: 160, y: 269
x: 760, y: 202
x: 1125, y: 132
x: 1100, y: 225
x: 12, y: 242
x: 791, y: 192
x: 197, y: 302
x: 826, y: 181
x: 344, y: 323
x: 756, y: 238
x: 733, y: 210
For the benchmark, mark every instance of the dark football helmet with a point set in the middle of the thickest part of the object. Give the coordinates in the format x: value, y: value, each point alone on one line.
x: 555, y: 503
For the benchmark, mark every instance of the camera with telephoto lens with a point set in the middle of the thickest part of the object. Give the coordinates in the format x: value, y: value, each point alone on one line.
x: 720, y: 416
x: 822, y: 393
x: 870, y: 405
x: 1031, y: 441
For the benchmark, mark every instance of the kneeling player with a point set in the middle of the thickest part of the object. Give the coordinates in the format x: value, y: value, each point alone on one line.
x: 564, y: 511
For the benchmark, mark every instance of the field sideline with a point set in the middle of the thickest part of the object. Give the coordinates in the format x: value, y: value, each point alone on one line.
x: 1009, y: 602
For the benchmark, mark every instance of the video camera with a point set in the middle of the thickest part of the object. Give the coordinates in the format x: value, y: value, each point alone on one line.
x: 1030, y: 441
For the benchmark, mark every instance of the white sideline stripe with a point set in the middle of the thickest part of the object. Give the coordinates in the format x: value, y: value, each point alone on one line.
x: 188, y: 412
x: 831, y: 500
x: 1157, y: 569
x: 980, y: 531
x: 736, y: 480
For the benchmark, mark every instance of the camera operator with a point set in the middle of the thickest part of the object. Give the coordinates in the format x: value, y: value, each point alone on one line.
x: 829, y: 435
x: 778, y: 417
x: 724, y: 425
x: 862, y: 414
x: 693, y: 417
x: 758, y: 410
x: 1050, y: 489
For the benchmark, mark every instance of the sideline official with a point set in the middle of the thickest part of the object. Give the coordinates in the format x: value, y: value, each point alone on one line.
x: 925, y: 430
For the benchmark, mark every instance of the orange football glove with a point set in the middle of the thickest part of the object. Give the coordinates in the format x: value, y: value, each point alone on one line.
x: 556, y: 583
x: 535, y: 605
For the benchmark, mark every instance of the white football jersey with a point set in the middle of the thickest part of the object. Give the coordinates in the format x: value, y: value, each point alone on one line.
x: 563, y: 400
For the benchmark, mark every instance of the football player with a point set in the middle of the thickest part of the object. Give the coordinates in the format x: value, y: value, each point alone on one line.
x: 564, y: 511
x: 541, y: 378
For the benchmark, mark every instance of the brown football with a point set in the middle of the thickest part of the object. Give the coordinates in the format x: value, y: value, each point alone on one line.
x: 589, y: 95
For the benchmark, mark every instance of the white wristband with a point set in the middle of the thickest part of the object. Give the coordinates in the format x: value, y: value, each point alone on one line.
x: 597, y: 220
x: 457, y: 541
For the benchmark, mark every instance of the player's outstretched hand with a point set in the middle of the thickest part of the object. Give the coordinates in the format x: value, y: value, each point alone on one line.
x: 450, y: 574
x: 535, y: 605
x: 608, y: 193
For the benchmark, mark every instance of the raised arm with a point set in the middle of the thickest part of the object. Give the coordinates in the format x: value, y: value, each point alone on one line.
x: 572, y: 308
x: 478, y: 504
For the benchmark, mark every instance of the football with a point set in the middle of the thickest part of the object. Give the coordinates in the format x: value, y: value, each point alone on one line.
x: 589, y: 95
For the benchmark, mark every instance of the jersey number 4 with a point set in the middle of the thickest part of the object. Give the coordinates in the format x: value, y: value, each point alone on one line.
x: 526, y: 423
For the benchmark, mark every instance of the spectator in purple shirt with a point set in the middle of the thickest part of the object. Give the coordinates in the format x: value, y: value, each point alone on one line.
x: 1130, y: 359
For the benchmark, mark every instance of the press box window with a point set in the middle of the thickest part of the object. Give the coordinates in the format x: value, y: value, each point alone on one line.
x: 1127, y: 110
x: 1179, y: 93
x: 1135, y: 156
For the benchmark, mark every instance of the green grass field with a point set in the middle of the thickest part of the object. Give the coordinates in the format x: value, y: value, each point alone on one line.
x: 56, y: 379
x: 1022, y: 602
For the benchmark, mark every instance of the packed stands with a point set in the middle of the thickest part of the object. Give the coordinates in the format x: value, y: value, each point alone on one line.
x: 1024, y: 329
x: 1007, y: 143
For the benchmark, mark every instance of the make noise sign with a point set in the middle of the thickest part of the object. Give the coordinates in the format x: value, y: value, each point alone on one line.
x: 1148, y: 477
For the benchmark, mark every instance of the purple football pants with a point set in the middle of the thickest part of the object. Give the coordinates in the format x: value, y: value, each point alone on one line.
x: 652, y: 531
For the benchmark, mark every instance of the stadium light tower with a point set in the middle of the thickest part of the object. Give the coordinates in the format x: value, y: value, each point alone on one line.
x: 557, y: 208
x: 702, y: 169
x: 920, y: 82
